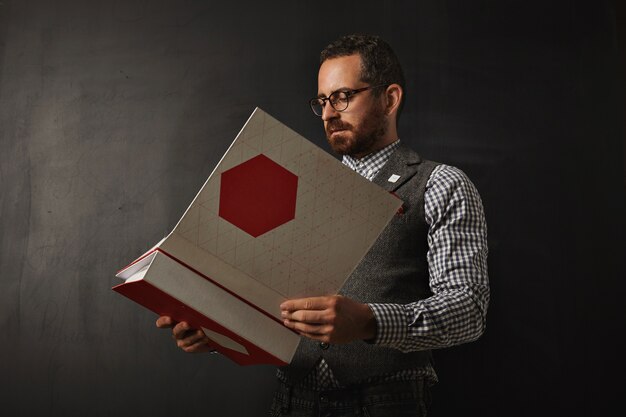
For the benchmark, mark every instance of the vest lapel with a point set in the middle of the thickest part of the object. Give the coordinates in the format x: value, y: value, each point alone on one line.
x: 403, y: 163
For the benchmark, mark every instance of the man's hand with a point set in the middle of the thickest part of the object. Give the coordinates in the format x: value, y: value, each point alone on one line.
x: 188, y: 339
x: 331, y: 319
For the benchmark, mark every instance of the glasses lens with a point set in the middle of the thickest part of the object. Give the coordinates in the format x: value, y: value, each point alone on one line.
x: 317, y: 106
x: 339, y: 100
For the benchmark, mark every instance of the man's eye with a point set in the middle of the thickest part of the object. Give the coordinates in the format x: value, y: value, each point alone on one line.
x: 338, y: 98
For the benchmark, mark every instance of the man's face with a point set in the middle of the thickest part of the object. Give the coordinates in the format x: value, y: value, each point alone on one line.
x: 357, y: 130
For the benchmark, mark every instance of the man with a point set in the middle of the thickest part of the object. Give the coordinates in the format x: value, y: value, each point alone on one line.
x: 422, y: 286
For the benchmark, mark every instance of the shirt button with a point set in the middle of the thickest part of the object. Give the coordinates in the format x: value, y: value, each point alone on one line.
x: 324, y: 345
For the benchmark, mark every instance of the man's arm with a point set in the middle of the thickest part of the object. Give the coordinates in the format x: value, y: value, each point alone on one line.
x: 457, y: 263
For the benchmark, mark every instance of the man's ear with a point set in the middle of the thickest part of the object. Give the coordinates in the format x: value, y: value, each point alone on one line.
x: 393, y: 98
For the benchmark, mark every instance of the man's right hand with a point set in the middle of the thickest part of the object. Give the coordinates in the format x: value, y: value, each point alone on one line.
x: 188, y: 339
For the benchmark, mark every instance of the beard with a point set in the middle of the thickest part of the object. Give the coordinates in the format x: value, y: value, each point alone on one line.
x: 358, y: 140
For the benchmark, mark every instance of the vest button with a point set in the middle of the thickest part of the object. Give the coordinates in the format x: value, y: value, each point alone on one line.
x: 324, y: 345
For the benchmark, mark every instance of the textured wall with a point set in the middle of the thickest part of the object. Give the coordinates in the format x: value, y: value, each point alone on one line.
x: 112, y: 115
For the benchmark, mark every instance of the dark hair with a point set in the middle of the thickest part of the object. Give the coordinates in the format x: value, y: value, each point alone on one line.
x: 379, y: 64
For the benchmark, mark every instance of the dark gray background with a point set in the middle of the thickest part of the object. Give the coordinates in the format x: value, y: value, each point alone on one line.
x: 113, y: 114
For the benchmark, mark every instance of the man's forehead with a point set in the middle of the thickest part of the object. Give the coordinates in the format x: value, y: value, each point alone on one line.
x: 337, y: 73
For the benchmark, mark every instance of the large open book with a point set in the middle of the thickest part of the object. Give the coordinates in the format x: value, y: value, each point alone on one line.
x: 277, y: 218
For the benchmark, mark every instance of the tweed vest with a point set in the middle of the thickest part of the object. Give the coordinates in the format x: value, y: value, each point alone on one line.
x: 394, y: 270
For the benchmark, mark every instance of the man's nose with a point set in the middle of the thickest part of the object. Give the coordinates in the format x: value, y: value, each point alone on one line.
x: 329, y: 112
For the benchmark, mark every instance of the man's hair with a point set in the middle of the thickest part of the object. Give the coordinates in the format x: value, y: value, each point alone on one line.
x: 379, y: 64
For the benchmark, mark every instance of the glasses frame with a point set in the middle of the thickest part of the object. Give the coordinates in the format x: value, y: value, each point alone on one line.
x: 349, y: 93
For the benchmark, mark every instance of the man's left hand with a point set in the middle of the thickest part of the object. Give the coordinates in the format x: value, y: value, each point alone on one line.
x: 331, y: 319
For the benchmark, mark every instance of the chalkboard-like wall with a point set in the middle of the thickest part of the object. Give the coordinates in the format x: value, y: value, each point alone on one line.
x: 113, y: 114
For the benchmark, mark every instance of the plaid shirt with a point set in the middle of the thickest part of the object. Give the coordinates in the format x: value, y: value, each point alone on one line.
x: 457, y: 266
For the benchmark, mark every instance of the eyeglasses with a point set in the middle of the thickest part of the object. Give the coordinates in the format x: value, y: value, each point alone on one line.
x: 339, y: 100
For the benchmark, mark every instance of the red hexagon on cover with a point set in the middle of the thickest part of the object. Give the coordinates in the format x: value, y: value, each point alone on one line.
x: 258, y: 195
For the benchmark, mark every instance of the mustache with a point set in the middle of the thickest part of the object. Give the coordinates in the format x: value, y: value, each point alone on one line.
x: 336, y: 124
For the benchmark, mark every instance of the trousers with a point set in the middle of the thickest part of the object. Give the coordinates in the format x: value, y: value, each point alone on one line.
x: 397, y: 399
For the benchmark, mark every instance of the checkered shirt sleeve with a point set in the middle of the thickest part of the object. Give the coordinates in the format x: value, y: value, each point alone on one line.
x: 457, y: 265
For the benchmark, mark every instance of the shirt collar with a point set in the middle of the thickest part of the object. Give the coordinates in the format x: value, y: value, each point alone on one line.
x: 371, y: 164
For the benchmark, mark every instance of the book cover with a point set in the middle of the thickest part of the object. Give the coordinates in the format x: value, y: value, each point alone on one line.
x: 277, y: 218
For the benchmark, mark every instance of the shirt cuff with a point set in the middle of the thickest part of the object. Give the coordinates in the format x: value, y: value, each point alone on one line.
x: 391, y: 324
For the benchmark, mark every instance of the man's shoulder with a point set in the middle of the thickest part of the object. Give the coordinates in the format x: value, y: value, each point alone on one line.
x: 448, y: 183
x: 448, y: 174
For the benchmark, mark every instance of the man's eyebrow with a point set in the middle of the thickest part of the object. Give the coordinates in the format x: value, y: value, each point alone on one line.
x: 320, y: 95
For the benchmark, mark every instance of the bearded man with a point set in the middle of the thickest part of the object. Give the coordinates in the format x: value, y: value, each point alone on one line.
x: 422, y: 286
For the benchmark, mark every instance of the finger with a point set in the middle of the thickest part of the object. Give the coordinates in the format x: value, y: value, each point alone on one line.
x: 192, y: 339
x: 165, y: 322
x: 308, y: 328
x: 181, y: 330
x: 199, y: 346
x: 307, y: 316
x: 311, y: 303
